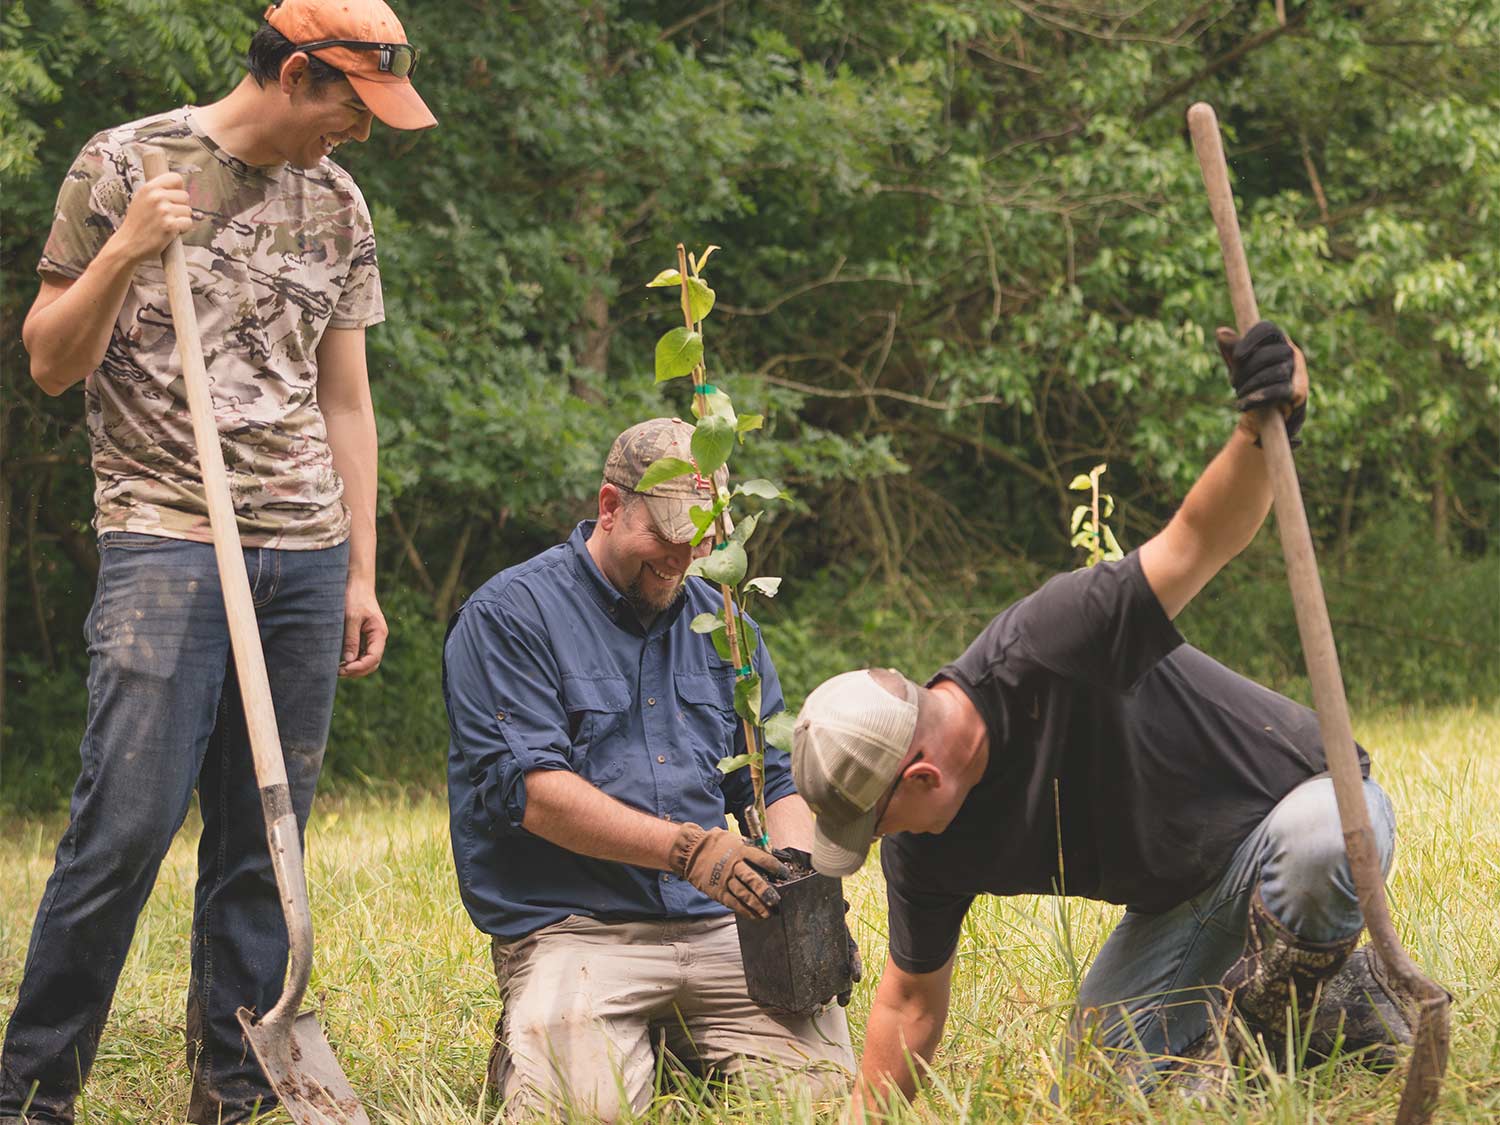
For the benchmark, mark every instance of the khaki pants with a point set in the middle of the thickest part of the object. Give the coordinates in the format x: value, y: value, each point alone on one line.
x: 587, y: 1006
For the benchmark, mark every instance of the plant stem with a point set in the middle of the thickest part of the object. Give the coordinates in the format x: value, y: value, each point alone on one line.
x: 732, y: 631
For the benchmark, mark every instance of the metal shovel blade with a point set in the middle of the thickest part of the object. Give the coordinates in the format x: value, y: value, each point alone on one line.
x: 300, y: 1066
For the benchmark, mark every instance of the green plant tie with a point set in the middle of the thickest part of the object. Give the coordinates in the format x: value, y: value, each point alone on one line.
x: 720, y: 546
x: 763, y: 842
x: 706, y: 388
x: 745, y: 671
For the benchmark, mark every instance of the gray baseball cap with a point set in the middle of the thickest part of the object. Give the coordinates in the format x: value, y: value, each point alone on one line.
x: 848, y: 744
x: 637, y: 449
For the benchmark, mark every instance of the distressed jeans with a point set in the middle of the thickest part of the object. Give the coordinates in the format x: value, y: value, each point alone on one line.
x: 164, y: 717
x: 1150, y: 992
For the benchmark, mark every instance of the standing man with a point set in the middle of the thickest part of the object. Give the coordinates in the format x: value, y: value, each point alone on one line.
x: 1080, y: 747
x: 588, y: 811
x: 281, y: 256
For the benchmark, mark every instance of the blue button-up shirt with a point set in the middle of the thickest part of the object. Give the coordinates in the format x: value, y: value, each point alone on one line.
x: 547, y: 667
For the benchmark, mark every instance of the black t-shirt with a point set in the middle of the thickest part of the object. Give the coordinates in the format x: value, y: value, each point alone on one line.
x: 1124, y: 764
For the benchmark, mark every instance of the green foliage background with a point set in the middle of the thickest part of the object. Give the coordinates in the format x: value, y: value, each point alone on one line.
x: 968, y: 256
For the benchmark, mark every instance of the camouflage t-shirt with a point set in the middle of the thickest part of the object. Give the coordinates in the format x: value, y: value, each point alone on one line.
x: 276, y: 255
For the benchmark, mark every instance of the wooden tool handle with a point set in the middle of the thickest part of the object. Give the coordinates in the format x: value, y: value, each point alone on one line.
x: 1316, y: 632
x: 244, y: 635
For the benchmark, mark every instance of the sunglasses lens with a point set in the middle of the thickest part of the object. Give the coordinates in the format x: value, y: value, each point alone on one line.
x: 403, y: 61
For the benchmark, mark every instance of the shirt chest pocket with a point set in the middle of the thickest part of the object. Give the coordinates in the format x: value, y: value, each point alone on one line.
x: 705, y: 717
x: 598, y: 725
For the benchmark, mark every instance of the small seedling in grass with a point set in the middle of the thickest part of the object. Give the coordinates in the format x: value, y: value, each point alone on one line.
x: 718, y: 430
x: 1089, y: 530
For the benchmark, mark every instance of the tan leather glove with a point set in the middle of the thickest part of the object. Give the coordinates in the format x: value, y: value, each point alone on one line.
x: 727, y: 869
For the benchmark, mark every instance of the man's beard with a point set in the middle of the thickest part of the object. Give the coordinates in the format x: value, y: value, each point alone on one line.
x: 644, y: 607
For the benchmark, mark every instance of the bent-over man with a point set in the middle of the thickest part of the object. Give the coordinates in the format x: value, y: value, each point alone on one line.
x: 587, y: 721
x: 1079, y: 746
x: 281, y: 259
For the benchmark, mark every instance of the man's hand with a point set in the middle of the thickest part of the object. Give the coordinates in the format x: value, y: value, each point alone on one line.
x: 726, y: 869
x: 158, y: 211
x: 364, y: 631
x: 1266, y: 369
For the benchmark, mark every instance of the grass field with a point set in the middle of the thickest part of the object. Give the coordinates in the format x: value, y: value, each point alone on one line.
x: 409, y: 1000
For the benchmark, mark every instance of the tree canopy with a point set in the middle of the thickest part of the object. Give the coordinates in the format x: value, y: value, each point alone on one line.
x: 967, y: 256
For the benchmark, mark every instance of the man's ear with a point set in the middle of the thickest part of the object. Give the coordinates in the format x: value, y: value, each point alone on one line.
x: 611, y: 504
x: 923, y: 774
x: 294, y: 72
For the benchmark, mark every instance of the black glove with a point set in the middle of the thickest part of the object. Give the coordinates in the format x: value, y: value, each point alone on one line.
x: 856, y: 963
x: 796, y: 858
x: 1261, y: 365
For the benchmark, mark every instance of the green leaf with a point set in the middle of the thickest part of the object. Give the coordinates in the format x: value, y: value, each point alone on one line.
x: 1108, y: 502
x: 700, y: 298
x: 720, y: 405
x: 713, y: 438
x: 766, y: 586
x: 729, y: 765
x: 665, y: 469
x: 1111, y: 546
x: 677, y: 353
x: 744, y: 529
x: 764, y: 489
x: 664, y: 279
x: 747, y: 697
x: 703, y: 520
x: 1083, y: 538
x: 778, y: 729
x: 748, y: 422
x: 725, y: 566
x: 721, y: 645
x: 1081, y: 483
x: 1078, y: 514
x: 707, y: 622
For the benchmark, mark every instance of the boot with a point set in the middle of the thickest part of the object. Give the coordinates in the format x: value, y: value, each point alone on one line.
x: 1361, y: 1010
x: 1278, y: 972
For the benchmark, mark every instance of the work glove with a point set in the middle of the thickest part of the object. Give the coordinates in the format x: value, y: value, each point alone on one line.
x: 727, y: 869
x: 795, y: 858
x: 1261, y: 366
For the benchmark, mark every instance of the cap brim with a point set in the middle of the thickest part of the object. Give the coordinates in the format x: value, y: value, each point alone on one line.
x: 840, y: 850
x: 396, y: 103
x: 670, y: 514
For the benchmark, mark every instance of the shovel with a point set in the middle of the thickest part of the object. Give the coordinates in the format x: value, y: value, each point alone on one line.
x: 1430, y: 1000
x: 291, y: 1048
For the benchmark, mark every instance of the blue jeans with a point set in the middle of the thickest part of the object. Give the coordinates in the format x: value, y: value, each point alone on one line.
x: 1149, y: 993
x: 165, y: 716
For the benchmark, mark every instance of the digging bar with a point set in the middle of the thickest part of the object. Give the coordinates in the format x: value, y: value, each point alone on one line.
x: 1430, y: 1000
x: 291, y: 1048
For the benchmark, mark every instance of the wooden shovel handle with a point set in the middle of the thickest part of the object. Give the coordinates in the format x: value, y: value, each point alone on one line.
x: 1316, y: 632
x: 244, y: 635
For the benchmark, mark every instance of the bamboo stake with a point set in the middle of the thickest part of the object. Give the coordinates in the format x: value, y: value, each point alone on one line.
x: 732, y: 634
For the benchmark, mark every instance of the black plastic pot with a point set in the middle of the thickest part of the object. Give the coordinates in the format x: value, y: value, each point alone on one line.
x: 798, y: 958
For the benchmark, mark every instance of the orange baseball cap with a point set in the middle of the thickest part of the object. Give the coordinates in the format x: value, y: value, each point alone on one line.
x: 365, y: 40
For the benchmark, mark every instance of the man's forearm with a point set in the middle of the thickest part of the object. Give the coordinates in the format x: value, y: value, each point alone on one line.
x: 896, y: 1053
x: 352, y: 438
x: 903, y: 1032
x: 790, y: 823
x: 1220, y: 516
x: 566, y: 810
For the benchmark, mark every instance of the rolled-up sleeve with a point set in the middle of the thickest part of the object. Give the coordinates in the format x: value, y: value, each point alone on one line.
x: 505, y: 711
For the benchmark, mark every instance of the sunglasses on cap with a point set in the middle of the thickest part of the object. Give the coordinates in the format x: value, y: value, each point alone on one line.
x: 396, y: 59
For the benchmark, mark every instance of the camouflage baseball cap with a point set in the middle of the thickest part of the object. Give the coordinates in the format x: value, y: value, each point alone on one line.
x: 641, y: 446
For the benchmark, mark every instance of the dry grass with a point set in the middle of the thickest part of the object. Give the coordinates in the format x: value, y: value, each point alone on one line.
x: 409, y: 1001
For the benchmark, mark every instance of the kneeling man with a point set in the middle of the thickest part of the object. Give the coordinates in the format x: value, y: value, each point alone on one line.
x: 588, y: 812
x: 1079, y: 746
